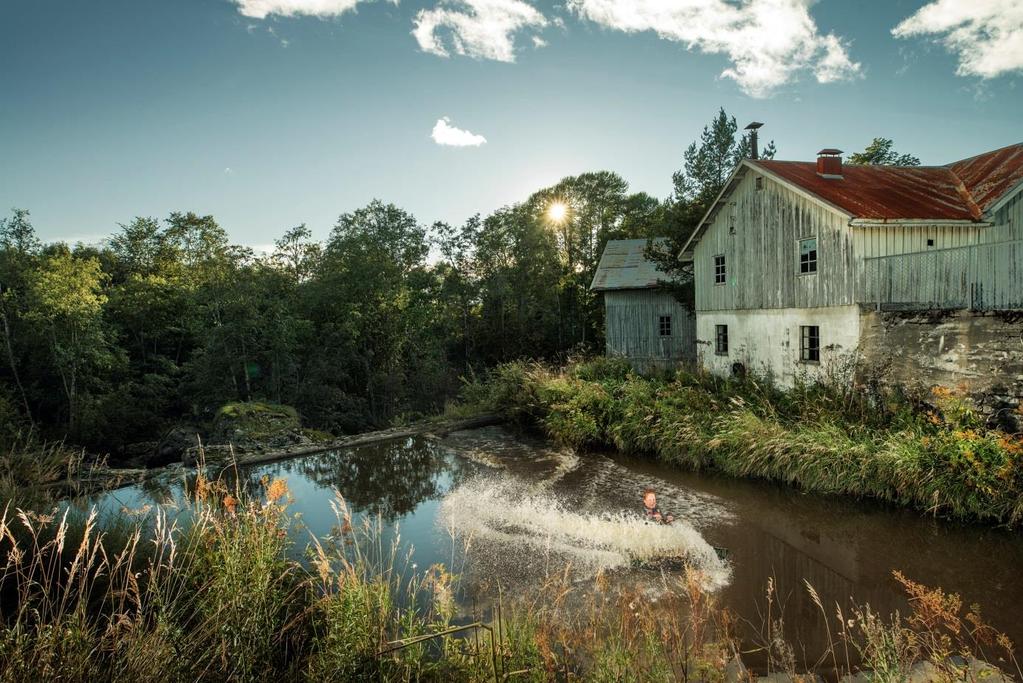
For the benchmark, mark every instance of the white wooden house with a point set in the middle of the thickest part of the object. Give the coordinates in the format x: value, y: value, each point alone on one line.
x: 643, y: 321
x: 796, y: 263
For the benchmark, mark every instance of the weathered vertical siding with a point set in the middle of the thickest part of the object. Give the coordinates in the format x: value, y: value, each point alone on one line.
x: 981, y: 277
x: 632, y: 328
x: 1008, y: 222
x: 888, y: 240
x: 762, y: 252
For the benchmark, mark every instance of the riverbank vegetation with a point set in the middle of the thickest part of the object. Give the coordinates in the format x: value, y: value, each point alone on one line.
x: 933, y: 453
x: 226, y: 595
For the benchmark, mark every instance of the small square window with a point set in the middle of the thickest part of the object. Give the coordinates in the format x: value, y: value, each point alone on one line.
x: 808, y: 255
x: 664, y: 325
x: 930, y: 241
x: 719, y: 269
x: 810, y: 344
x: 721, y: 340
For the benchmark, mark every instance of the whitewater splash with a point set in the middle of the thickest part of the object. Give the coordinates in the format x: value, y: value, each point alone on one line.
x: 509, y: 516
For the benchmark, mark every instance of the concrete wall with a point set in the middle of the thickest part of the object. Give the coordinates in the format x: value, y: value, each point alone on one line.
x: 767, y: 341
x: 631, y: 326
x: 983, y: 352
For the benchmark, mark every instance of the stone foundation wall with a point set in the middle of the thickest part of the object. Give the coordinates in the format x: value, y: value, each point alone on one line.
x: 981, y: 352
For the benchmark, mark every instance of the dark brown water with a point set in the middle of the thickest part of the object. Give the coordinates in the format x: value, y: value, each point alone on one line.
x: 847, y: 550
x: 500, y: 508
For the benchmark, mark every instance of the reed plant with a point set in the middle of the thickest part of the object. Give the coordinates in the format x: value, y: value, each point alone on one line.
x: 215, y: 589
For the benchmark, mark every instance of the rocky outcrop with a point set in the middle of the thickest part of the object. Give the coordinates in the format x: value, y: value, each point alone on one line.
x: 256, y: 426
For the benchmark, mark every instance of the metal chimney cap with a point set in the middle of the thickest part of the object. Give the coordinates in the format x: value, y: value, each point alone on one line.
x: 754, y: 125
x: 829, y: 151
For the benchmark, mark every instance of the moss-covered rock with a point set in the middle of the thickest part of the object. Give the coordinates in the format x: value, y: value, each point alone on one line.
x: 256, y: 425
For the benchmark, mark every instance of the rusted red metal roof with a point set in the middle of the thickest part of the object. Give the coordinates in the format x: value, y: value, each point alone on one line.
x: 959, y: 191
x: 990, y: 175
x: 882, y: 192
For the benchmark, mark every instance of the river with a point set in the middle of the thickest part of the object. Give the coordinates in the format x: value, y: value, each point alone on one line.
x: 525, y: 509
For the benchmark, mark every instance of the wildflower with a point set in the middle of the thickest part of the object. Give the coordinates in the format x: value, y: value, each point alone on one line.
x: 276, y: 490
x: 230, y: 503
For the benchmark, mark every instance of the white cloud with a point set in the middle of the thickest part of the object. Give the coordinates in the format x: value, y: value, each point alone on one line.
x: 261, y: 9
x: 446, y: 134
x: 482, y: 29
x: 986, y: 35
x: 767, y: 41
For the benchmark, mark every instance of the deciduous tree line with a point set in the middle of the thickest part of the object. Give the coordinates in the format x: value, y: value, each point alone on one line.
x: 167, y: 320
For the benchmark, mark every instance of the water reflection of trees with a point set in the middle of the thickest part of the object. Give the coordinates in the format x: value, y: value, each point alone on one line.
x: 390, y: 479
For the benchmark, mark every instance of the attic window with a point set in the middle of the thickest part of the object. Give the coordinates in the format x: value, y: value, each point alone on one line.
x: 664, y: 325
x: 719, y: 269
x: 760, y: 182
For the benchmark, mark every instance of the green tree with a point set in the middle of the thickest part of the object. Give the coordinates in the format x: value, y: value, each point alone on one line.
x: 67, y: 302
x: 880, y: 152
x: 18, y: 235
x: 19, y: 250
x: 141, y: 248
x: 297, y: 254
x: 706, y: 166
x: 361, y: 305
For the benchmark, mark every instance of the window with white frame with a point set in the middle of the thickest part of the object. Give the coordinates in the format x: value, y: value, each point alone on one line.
x: 719, y: 269
x: 808, y: 255
x: 810, y: 343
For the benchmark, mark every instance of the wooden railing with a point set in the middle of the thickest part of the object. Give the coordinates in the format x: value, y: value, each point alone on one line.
x: 981, y: 277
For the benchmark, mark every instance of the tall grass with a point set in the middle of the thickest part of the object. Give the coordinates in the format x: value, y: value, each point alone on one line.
x: 220, y: 596
x: 33, y: 473
x: 216, y: 592
x: 939, y: 456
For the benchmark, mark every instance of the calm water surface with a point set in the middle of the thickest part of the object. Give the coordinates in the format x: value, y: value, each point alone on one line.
x: 524, y: 509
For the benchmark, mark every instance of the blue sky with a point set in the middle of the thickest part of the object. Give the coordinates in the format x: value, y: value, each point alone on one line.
x: 270, y: 113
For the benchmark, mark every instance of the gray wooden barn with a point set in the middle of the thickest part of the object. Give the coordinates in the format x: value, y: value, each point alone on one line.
x: 643, y: 321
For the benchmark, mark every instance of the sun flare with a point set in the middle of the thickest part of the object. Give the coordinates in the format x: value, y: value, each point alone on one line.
x: 557, y: 211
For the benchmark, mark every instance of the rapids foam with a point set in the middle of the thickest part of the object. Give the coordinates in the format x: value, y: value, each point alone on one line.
x: 512, y: 515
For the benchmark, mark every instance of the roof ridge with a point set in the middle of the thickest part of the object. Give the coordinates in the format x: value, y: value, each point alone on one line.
x: 918, y: 166
x: 967, y: 196
x: 983, y: 154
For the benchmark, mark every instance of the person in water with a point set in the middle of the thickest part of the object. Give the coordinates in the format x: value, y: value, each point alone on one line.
x: 651, y: 511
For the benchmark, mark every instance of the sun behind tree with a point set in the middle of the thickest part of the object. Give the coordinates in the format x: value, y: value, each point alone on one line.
x: 557, y: 211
